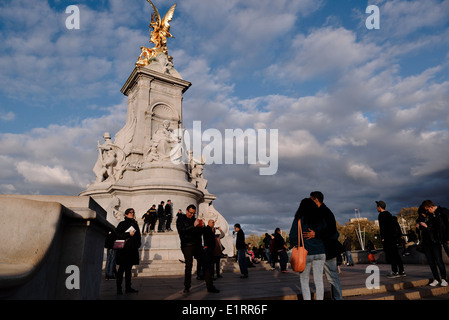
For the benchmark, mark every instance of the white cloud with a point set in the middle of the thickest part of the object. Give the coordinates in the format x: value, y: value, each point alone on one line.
x: 40, y: 174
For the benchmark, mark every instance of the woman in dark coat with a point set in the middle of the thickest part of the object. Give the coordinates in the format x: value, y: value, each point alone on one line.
x: 129, y: 255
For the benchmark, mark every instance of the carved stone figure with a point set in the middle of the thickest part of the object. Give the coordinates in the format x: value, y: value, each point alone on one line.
x: 110, y: 164
x: 165, y: 141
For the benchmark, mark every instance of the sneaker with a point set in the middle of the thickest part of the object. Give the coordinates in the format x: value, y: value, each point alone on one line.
x: 444, y: 283
x: 402, y: 274
x: 434, y: 283
x: 393, y: 275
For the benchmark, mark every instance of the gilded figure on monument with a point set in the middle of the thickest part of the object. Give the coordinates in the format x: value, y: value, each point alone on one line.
x: 160, y: 31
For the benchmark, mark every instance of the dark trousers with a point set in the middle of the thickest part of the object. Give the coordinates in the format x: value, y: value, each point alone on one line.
x: 124, y: 268
x: 168, y: 220
x: 145, y: 224
x: 197, y: 252
x: 393, y: 257
x: 161, y: 226
x: 434, y: 257
x: 283, y: 259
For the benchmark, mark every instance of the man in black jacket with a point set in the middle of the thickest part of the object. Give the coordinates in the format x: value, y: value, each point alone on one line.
x: 161, y: 217
x: 329, y: 236
x: 389, y: 240
x: 190, y: 231
x: 168, y: 215
x: 443, y: 218
x: 240, y: 245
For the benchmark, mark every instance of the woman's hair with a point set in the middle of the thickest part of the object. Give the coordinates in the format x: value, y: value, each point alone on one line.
x: 128, y: 210
x: 308, y: 212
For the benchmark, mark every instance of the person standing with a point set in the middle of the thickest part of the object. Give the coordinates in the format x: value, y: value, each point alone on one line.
x: 190, y: 231
x: 210, y: 244
x: 110, y: 267
x: 329, y: 235
x: 428, y: 224
x: 168, y: 215
x: 443, y: 219
x: 241, y: 251
x: 153, y: 217
x: 129, y: 231
x: 266, y: 243
x: 161, y: 217
x: 310, y: 219
x: 281, y: 249
x: 389, y: 240
x: 347, y: 245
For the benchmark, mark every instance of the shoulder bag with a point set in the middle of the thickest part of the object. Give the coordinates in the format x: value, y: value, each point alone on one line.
x: 299, y: 253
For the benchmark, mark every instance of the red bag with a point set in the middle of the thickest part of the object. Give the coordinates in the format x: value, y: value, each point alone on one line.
x: 299, y: 253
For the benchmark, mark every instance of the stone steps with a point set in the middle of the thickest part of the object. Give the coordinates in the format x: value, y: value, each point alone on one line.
x: 407, y: 290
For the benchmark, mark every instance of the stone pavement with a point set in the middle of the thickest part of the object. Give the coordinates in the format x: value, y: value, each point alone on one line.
x: 264, y: 284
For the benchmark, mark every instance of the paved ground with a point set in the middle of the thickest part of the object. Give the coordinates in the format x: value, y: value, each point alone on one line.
x: 261, y: 284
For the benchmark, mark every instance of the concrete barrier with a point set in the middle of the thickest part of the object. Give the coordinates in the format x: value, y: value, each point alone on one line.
x: 51, y: 247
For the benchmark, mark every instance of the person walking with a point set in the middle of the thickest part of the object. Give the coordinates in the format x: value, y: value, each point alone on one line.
x: 190, y: 231
x: 241, y: 251
x: 428, y: 224
x: 146, y: 221
x: 129, y: 231
x: 310, y: 219
x: 281, y: 249
x: 161, y: 217
x: 266, y: 243
x: 389, y: 240
x: 329, y: 235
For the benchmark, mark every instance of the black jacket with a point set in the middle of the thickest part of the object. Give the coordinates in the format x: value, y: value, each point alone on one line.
x: 160, y: 210
x: 129, y: 255
x: 386, y: 227
x: 209, y: 238
x: 329, y: 235
x: 240, y: 241
x: 443, y: 217
x: 188, y: 233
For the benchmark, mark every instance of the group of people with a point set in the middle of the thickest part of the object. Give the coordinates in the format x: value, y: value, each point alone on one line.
x: 320, y: 238
x: 163, y: 214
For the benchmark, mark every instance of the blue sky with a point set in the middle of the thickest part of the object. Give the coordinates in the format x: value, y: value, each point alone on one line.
x: 362, y: 114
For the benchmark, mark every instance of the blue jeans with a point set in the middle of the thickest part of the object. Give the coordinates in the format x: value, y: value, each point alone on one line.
x: 316, y: 263
x: 110, y: 268
x: 349, y: 258
x: 331, y: 272
x: 242, y: 261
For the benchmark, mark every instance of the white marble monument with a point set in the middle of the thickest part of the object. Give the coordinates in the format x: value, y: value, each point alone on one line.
x: 147, y: 162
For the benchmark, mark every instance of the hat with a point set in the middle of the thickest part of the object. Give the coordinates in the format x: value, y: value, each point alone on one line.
x: 381, y: 204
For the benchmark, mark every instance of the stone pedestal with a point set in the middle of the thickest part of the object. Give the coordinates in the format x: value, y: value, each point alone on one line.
x: 148, y: 163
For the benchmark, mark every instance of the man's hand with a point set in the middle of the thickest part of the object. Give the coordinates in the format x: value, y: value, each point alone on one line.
x: 309, y: 234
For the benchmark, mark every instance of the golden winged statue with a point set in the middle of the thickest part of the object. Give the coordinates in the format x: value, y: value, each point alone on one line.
x: 159, y: 35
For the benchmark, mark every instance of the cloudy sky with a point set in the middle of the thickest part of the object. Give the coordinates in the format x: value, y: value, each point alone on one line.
x: 362, y: 114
